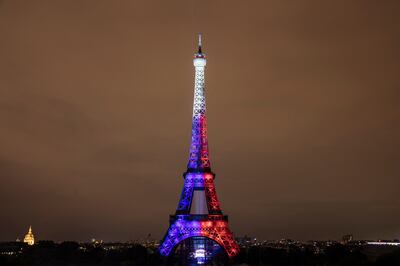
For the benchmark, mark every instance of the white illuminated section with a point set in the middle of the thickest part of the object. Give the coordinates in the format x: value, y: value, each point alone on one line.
x: 200, y: 63
x: 384, y: 243
x: 200, y: 255
x: 199, y: 102
x: 199, y: 203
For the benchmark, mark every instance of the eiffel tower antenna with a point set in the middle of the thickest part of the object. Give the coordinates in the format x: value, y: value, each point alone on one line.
x: 199, y: 225
x: 200, y: 43
x: 200, y: 39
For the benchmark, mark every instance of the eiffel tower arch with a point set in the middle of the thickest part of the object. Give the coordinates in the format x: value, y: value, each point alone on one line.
x: 198, y: 229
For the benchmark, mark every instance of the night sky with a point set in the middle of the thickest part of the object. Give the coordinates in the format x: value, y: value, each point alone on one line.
x: 303, y: 116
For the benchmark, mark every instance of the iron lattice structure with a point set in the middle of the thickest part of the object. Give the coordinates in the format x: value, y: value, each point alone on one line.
x: 208, y: 221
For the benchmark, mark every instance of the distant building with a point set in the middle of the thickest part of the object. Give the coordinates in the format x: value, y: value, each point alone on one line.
x: 347, y: 238
x: 29, y: 238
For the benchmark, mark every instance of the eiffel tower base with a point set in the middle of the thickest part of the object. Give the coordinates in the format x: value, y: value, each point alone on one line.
x: 198, y: 239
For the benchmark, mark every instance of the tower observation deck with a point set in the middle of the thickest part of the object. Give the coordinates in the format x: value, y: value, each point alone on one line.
x: 199, y: 230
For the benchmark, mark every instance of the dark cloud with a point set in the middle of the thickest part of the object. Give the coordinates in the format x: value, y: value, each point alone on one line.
x: 95, y: 108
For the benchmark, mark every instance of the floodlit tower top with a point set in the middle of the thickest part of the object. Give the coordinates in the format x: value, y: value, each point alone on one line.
x: 199, y: 158
x: 199, y: 57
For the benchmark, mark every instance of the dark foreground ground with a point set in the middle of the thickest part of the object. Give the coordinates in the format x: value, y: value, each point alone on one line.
x: 47, y: 253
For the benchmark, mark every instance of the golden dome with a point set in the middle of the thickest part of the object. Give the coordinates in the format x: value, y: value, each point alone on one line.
x: 29, y: 238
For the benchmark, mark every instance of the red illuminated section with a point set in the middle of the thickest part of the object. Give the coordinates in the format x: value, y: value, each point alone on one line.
x: 199, y: 155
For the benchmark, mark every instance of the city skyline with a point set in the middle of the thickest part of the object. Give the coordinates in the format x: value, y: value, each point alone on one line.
x: 95, y: 107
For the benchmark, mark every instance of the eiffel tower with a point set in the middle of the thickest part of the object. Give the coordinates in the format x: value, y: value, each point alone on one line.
x: 199, y: 230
